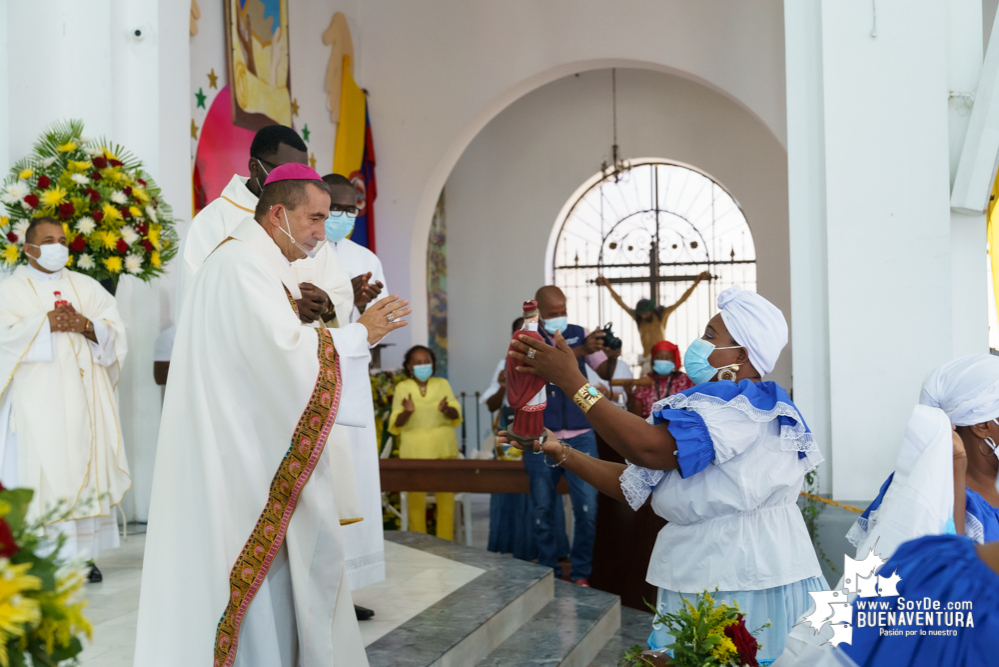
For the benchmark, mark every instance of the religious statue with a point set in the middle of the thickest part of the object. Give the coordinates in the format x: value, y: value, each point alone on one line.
x: 526, y: 392
x: 651, y: 318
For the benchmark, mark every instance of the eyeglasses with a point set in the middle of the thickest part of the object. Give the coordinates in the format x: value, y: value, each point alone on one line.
x: 349, y: 211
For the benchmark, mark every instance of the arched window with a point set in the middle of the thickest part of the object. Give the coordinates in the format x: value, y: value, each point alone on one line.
x: 650, y: 230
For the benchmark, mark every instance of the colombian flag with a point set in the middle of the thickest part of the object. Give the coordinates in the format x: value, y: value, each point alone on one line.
x: 354, y: 156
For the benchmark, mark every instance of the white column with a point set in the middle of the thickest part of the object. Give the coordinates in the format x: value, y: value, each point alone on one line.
x: 868, y: 140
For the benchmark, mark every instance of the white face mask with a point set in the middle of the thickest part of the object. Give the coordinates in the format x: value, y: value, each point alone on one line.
x: 266, y: 173
x: 287, y: 232
x: 52, y: 257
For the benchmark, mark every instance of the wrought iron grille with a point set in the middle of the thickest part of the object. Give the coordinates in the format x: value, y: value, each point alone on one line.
x: 650, y: 230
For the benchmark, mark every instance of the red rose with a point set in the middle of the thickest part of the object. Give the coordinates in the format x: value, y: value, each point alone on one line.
x: 78, y: 244
x: 43, y: 182
x: 121, y: 247
x: 66, y: 210
x: 31, y: 200
x: 141, y: 182
x: 147, y: 245
x: 141, y: 227
x: 100, y: 162
x: 94, y: 194
x: 745, y: 642
x: 96, y: 176
x: 12, y: 237
x: 127, y: 190
x: 125, y: 213
x: 98, y: 215
x: 7, y: 545
x: 116, y: 163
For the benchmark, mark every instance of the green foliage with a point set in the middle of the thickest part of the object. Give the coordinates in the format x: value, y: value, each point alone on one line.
x: 633, y: 658
x: 810, y: 510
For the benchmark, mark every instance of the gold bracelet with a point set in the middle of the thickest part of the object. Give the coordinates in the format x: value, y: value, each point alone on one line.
x: 586, y: 397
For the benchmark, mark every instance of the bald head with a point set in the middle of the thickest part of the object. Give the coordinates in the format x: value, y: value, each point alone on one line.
x: 551, y: 302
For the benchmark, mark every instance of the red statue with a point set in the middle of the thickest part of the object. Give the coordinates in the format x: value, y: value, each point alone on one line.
x: 526, y: 392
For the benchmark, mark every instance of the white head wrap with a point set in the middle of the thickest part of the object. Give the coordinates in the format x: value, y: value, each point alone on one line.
x: 756, y: 324
x: 967, y: 389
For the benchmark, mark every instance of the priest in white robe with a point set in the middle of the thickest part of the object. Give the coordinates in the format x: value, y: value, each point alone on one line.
x: 60, y: 434
x: 245, y: 552
x: 330, y: 291
x: 365, y: 540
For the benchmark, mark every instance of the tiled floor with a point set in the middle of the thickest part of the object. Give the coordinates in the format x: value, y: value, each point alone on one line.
x: 415, y: 581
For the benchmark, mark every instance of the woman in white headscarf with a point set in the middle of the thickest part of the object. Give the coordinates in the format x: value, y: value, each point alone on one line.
x: 967, y: 390
x: 723, y: 461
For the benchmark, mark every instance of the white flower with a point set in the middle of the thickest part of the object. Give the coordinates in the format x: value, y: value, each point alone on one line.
x: 119, y: 198
x: 85, y: 225
x: 92, y: 152
x: 80, y: 179
x: 48, y: 162
x: 83, y: 140
x: 151, y: 212
x: 85, y: 261
x: 15, y: 192
x: 133, y: 264
x: 129, y: 235
x: 21, y: 229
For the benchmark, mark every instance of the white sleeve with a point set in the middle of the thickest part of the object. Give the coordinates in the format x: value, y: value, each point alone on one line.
x: 732, y: 431
x: 103, y: 349
x: 351, y: 342
x: 41, y: 348
x: 494, y: 384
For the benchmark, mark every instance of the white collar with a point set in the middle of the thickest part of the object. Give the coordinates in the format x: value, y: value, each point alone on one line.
x: 35, y: 274
x: 237, y: 194
x: 250, y: 232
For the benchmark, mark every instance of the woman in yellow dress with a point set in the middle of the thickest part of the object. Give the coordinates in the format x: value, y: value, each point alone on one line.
x: 424, y: 416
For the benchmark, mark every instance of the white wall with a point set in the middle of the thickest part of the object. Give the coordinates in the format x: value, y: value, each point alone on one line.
x: 132, y: 90
x: 438, y: 71
x: 506, y: 191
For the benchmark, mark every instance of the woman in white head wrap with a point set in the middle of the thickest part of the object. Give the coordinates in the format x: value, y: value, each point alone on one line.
x: 967, y: 390
x: 723, y: 462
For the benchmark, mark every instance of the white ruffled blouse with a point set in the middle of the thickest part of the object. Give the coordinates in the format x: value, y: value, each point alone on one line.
x: 733, y: 521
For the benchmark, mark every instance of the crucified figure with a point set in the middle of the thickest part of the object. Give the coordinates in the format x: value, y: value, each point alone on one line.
x: 650, y: 318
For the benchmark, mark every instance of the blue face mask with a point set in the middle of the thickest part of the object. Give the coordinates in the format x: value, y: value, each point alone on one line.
x: 663, y: 366
x: 556, y: 324
x: 338, y: 226
x: 422, y: 372
x: 695, y: 360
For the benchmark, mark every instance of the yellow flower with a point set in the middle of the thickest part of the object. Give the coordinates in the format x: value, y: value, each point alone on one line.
x: 67, y: 147
x: 135, y: 211
x: 140, y: 194
x: 26, y: 173
x: 77, y: 166
x: 108, y: 239
x: 113, y: 264
x: 16, y: 609
x: 154, y: 236
x: 154, y: 259
x: 10, y: 253
x: 724, y: 650
x: 116, y: 174
x: 4, y: 221
x: 111, y: 213
x: 109, y: 155
x: 70, y: 622
x: 53, y: 196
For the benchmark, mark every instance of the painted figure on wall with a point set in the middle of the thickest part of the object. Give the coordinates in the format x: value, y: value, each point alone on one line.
x: 258, y: 62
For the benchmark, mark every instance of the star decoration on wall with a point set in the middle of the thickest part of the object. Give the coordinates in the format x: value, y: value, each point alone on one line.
x: 201, y: 98
x: 294, y: 108
x: 194, y: 130
x: 213, y: 79
x: 312, y: 160
x: 306, y: 132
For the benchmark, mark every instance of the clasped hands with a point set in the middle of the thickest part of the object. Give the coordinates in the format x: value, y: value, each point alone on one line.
x: 66, y: 319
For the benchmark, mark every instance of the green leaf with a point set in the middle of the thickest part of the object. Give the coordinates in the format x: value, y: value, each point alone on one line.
x: 18, y: 499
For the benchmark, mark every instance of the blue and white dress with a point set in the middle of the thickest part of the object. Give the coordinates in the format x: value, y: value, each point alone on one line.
x: 981, y: 520
x: 734, y: 523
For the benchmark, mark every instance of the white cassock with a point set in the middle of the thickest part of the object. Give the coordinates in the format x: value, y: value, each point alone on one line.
x: 243, y: 522
x: 365, y: 540
x: 216, y: 222
x: 59, y: 429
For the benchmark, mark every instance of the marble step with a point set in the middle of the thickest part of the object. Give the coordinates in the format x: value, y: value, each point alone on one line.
x: 569, y: 632
x: 636, y: 626
x: 469, y: 623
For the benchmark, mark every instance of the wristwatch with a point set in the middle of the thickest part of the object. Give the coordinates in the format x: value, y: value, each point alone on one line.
x: 586, y: 397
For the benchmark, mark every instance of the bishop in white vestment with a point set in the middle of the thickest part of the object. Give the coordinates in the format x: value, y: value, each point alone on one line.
x: 59, y: 429
x: 245, y: 553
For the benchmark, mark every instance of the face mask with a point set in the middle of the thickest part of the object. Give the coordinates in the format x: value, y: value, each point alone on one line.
x: 695, y: 360
x: 663, y: 366
x: 53, y: 256
x: 338, y: 226
x: 266, y: 173
x: 287, y: 232
x: 423, y: 372
x: 556, y: 324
